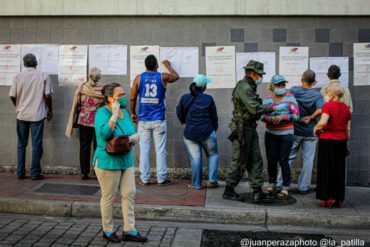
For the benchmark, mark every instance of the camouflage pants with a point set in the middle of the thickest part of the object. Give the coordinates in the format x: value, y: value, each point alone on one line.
x: 252, y: 161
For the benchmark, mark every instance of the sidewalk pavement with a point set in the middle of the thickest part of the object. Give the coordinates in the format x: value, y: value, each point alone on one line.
x: 68, y: 196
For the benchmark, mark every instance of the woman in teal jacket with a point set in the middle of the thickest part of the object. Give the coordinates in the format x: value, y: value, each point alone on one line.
x: 116, y: 171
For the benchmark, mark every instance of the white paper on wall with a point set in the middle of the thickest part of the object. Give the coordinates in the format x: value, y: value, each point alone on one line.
x: 184, y: 60
x: 320, y: 66
x: 220, y: 66
x: 72, y: 64
x: 9, y: 63
x: 137, y: 58
x: 47, y: 56
x: 267, y: 58
x: 110, y: 59
x: 361, y: 64
x: 293, y: 61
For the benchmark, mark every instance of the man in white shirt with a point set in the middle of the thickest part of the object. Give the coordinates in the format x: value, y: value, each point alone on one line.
x: 333, y: 75
x: 31, y: 95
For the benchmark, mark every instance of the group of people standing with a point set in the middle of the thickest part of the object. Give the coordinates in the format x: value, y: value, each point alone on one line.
x: 291, y: 123
x: 295, y: 121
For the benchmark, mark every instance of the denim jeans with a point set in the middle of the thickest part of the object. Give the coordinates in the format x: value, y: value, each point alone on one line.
x: 277, y: 151
x: 157, y: 130
x: 308, y: 145
x: 37, y: 131
x: 194, y: 150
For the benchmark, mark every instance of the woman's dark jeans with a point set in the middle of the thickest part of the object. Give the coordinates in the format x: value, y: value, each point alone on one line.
x: 278, y: 149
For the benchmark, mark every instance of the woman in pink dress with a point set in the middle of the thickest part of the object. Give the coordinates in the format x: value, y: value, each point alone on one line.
x: 88, y: 95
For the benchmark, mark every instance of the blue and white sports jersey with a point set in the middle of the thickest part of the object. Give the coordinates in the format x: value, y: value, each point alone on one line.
x: 152, y: 93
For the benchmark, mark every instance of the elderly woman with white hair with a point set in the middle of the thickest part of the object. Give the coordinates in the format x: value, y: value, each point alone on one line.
x: 88, y: 98
x: 333, y: 131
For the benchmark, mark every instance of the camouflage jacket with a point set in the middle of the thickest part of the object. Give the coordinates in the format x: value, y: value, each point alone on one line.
x: 247, y: 103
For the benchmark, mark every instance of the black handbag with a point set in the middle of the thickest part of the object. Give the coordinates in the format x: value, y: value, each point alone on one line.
x: 76, y: 114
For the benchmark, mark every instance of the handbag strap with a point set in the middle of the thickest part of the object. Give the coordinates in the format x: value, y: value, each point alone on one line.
x: 189, y: 105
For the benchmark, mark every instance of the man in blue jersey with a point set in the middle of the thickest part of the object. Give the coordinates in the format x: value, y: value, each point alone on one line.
x: 150, y: 86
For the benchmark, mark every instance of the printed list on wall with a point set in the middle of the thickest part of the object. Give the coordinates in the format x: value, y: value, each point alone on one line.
x: 222, y: 63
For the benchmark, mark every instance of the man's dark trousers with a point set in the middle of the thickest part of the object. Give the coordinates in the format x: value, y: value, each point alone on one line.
x: 37, y: 132
x: 253, y: 160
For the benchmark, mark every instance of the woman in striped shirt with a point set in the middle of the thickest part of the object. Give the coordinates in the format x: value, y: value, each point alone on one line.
x: 279, y: 133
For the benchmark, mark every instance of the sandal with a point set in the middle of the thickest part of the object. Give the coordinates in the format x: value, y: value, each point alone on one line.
x: 270, y: 190
x: 283, y: 194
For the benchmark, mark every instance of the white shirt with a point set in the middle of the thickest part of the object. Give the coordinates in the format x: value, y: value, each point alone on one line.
x: 29, y: 87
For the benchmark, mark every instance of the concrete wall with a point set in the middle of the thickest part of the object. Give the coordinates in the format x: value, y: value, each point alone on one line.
x: 326, y: 36
x: 185, y: 8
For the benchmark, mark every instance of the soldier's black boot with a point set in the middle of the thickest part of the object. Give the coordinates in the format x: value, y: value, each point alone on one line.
x: 230, y: 194
x: 260, y: 197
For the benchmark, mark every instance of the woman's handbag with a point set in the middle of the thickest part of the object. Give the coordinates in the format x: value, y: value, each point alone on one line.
x: 118, y: 145
x: 76, y: 114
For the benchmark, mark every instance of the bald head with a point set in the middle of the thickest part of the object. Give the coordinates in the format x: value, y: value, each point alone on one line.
x: 95, y: 74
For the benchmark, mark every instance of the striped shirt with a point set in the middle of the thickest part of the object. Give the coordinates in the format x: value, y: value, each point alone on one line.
x: 285, y: 127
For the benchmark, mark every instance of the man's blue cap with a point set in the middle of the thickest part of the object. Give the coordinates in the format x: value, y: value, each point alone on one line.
x: 201, y: 80
x: 276, y: 79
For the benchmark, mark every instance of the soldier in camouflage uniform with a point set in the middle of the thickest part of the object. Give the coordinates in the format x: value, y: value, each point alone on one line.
x: 248, y: 108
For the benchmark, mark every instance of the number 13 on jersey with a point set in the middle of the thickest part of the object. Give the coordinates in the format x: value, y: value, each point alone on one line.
x: 151, y: 90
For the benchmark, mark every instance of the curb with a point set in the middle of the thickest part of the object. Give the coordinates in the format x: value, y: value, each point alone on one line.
x: 177, y: 213
x: 316, y: 219
x: 188, y: 214
x: 38, y: 207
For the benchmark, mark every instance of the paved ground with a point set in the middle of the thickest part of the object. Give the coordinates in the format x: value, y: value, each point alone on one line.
x: 176, y: 194
x: 30, y: 230
x: 177, y: 202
